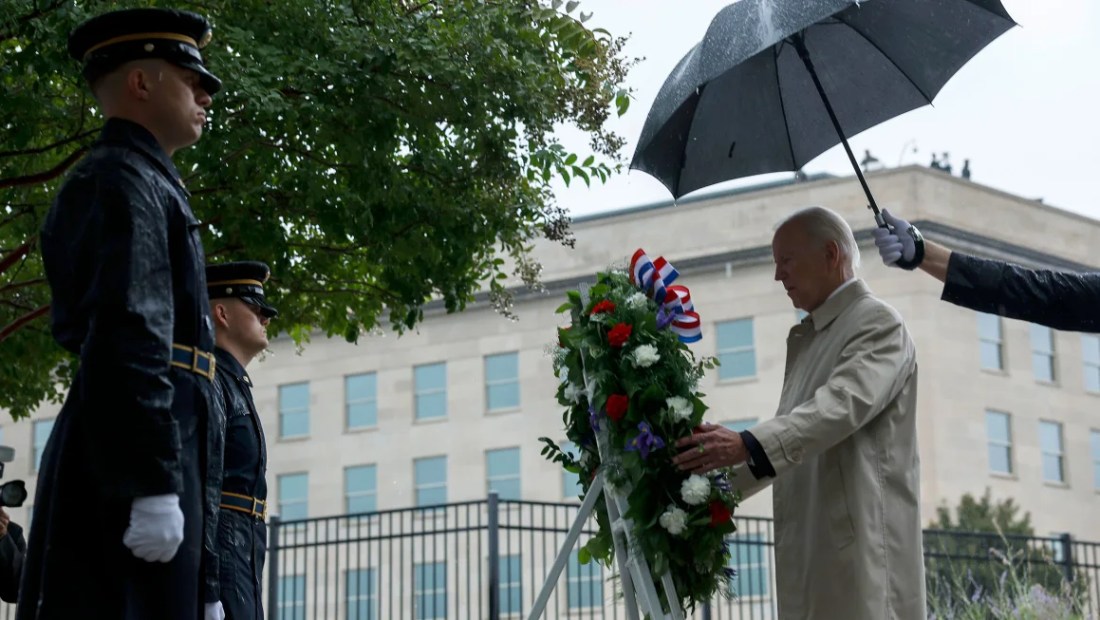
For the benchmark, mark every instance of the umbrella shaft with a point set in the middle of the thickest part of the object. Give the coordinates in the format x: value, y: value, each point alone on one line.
x: 804, y: 54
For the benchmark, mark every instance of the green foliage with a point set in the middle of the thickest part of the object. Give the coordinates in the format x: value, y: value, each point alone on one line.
x: 597, y: 373
x: 378, y: 155
x: 985, y: 558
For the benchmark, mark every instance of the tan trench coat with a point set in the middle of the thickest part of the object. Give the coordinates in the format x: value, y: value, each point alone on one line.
x: 844, y: 448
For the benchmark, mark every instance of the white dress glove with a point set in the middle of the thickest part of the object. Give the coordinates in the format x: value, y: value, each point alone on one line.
x: 156, y: 527
x: 214, y: 611
x: 894, y: 243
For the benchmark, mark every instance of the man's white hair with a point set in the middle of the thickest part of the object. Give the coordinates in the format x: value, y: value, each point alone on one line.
x: 826, y: 225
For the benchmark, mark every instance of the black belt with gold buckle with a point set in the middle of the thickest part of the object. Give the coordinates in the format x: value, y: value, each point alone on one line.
x: 190, y: 358
x: 247, y: 504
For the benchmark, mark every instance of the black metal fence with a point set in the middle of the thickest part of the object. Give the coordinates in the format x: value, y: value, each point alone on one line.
x: 489, y: 559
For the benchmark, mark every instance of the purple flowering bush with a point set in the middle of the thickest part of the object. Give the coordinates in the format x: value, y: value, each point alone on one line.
x: 624, y: 371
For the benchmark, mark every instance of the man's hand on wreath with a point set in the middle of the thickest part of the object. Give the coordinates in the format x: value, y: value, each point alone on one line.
x: 709, y: 447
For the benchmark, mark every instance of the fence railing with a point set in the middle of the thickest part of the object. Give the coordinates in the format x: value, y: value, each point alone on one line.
x: 489, y: 559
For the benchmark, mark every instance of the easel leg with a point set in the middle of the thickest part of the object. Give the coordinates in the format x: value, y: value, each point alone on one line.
x: 571, y: 538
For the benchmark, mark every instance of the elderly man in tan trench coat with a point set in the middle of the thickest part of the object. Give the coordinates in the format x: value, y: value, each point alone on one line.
x: 842, y: 448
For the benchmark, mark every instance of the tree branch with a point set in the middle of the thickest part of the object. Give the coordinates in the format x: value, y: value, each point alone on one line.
x: 4, y: 36
x: 17, y: 254
x: 48, y: 175
x: 49, y: 147
x: 23, y: 320
x: 18, y: 285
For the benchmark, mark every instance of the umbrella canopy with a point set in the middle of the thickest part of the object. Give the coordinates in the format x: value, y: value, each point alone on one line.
x: 745, y: 101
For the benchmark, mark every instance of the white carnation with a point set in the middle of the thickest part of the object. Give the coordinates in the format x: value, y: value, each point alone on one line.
x: 680, y: 407
x: 585, y: 459
x: 637, y: 300
x: 644, y: 356
x: 674, y: 520
x: 695, y: 490
x: 571, y: 393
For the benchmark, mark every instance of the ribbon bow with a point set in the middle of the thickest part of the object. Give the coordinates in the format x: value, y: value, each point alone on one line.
x: 655, y: 279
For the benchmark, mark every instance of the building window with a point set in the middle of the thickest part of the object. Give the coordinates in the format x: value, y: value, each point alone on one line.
x: 735, y: 349
x: 991, y: 341
x: 740, y: 425
x: 362, y: 589
x: 570, y: 482
x: 293, y: 496
x: 998, y: 436
x: 583, y: 584
x: 294, y: 410
x: 430, y: 590
x: 431, y: 391
x: 1042, y: 353
x: 502, y: 472
x: 502, y: 381
x: 361, y: 489
x: 749, y: 557
x: 511, y: 585
x: 42, y: 429
x: 1050, y: 440
x: 1090, y: 350
x: 361, y: 400
x: 1094, y: 449
x: 431, y: 480
x: 292, y: 597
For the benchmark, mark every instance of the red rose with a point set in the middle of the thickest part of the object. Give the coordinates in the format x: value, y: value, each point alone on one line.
x: 719, y: 513
x: 616, y: 406
x: 603, y: 306
x: 619, y: 334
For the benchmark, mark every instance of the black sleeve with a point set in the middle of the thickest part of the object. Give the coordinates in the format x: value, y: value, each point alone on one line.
x: 126, y: 353
x: 12, y: 549
x: 1059, y: 299
x: 759, y: 465
x: 215, y: 473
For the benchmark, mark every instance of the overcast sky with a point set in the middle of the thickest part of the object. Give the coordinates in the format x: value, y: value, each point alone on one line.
x: 1024, y: 110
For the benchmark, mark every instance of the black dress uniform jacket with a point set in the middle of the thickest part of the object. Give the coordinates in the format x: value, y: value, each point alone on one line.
x: 233, y: 576
x: 13, y: 548
x: 1058, y: 299
x: 125, y: 266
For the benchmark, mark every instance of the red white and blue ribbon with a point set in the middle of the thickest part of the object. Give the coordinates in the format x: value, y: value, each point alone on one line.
x: 655, y: 278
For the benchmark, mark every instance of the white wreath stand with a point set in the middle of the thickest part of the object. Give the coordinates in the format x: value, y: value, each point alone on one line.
x: 634, y: 572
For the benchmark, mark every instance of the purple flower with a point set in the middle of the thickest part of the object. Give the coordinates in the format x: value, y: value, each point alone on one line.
x: 645, y: 441
x: 664, y: 317
x: 722, y: 483
x: 593, y: 418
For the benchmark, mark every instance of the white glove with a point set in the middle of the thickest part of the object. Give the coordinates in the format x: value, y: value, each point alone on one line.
x: 156, y: 527
x: 894, y: 243
x: 214, y: 611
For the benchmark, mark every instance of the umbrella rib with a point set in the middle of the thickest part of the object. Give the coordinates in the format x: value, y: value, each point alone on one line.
x: 886, y: 56
x: 782, y: 106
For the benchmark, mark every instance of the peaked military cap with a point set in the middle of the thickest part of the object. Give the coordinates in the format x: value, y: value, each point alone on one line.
x: 242, y: 279
x: 105, y: 42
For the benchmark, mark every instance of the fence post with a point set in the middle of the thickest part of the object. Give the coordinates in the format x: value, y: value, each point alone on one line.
x: 494, y: 556
x: 1067, y: 556
x: 273, y: 567
x: 706, y: 610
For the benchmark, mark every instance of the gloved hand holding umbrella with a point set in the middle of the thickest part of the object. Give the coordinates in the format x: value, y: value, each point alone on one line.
x: 775, y: 84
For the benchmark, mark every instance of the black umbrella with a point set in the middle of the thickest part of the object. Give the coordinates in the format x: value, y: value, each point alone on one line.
x: 774, y: 84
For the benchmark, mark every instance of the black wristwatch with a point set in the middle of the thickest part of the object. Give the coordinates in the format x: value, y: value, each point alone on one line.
x: 918, y: 254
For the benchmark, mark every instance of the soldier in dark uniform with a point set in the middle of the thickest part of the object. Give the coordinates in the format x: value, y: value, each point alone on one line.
x: 236, y: 562
x: 116, y: 530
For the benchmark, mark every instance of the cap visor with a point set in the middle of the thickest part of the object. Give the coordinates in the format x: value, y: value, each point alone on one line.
x: 210, y: 82
x: 266, y: 309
